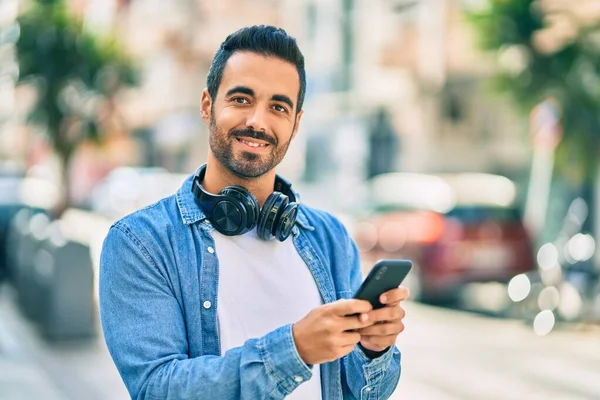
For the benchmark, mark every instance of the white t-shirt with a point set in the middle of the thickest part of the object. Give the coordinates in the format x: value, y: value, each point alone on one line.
x: 263, y: 285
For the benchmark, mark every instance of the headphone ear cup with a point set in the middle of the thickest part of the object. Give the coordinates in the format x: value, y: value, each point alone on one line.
x: 286, y: 222
x: 268, y: 215
x: 229, y: 217
x: 249, y: 202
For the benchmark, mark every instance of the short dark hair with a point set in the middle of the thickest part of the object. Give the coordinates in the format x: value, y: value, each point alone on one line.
x: 265, y: 40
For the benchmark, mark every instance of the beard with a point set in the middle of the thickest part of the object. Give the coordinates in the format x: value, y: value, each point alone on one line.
x: 245, y: 164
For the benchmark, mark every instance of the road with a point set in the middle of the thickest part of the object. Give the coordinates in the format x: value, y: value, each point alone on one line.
x: 451, y: 355
x: 446, y: 355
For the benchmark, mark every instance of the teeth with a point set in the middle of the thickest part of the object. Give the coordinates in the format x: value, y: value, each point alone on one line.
x: 252, y: 144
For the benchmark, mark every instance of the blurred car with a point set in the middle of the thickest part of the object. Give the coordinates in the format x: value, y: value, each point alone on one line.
x: 456, y: 228
x: 19, y: 190
x: 10, y: 203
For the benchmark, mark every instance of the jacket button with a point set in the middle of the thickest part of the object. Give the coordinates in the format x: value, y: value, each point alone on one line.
x: 211, y: 250
x: 298, y: 379
x: 207, y: 304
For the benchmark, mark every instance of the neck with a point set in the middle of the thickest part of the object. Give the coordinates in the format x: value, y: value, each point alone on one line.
x: 218, y: 177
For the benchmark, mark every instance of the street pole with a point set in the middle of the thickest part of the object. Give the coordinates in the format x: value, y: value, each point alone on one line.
x: 546, y: 134
x: 538, y: 193
x: 347, y: 67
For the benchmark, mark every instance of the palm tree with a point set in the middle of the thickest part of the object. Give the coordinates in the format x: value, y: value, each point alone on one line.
x: 76, y: 76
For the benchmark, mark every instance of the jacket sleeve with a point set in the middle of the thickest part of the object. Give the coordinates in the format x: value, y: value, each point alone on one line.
x: 145, y: 332
x: 367, y: 378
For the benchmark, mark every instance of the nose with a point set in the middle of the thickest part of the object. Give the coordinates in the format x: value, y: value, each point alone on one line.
x: 257, y: 120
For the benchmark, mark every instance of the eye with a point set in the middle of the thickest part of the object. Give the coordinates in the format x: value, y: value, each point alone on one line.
x: 279, y: 108
x: 240, y: 100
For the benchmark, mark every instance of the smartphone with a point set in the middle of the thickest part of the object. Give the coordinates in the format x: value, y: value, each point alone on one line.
x: 385, y: 275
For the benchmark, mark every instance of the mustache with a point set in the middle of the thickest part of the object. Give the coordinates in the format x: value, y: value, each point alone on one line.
x: 252, y: 134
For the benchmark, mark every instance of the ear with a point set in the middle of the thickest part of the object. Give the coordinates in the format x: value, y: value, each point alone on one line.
x: 206, y: 106
x: 297, y: 123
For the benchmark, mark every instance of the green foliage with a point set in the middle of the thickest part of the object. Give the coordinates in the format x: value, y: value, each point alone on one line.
x: 550, y: 60
x: 74, y: 72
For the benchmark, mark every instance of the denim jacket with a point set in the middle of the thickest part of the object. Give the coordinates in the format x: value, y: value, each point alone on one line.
x: 159, y: 276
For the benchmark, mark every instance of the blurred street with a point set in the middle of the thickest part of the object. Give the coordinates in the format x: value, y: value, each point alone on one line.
x: 446, y: 355
x: 33, y: 368
x: 451, y: 355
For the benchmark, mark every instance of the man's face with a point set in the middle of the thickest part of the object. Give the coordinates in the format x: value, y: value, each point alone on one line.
x: 253, y: 117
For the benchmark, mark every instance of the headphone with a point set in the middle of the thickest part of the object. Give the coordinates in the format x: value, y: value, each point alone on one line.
x: 235, y: 210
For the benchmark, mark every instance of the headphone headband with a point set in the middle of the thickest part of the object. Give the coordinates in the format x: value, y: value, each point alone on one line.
x: 282, y: 185
x: 235, y: 210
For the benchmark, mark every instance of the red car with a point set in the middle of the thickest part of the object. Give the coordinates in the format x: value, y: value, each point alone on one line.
x: 457, y: 229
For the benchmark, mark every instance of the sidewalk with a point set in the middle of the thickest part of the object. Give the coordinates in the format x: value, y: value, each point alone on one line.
x: 20, y: 378
x: 32, y: 368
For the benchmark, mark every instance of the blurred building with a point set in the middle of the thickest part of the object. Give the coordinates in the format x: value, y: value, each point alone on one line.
x: 414, y: 59
x: 417, y: 58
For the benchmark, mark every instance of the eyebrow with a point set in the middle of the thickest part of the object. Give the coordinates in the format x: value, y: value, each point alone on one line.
x: 246, y: 90
x: 240, y: 89
x: 284, y: 99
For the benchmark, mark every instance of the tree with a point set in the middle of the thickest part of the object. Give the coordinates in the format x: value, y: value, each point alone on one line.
x: 550, y: 49
x: 76, y: 76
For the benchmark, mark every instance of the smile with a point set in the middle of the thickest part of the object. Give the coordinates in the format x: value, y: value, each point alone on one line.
x: 252, y: 143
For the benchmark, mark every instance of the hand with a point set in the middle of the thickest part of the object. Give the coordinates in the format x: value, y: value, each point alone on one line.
x: 387, y: 321
x: 330, y: 332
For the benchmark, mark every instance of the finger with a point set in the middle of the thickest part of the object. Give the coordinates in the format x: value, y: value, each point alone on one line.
x: 351, y: 323
x: 342, y: 308
x: 350, y: 338
x: 345, y: 350
x: 387, y: 314
x: 390, y: 328
x: 395, y: 295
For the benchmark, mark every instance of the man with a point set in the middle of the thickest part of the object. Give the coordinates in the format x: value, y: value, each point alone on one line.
x: 206, y: 295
